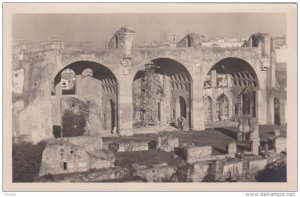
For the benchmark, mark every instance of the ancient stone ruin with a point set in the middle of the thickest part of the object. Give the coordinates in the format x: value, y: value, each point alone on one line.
x: 73, y: 98
x: 124, y: 88
x: 86, y: 159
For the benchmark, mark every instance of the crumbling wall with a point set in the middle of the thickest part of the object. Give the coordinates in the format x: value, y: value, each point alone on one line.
x: 31, y: 114
x: 80, y: 154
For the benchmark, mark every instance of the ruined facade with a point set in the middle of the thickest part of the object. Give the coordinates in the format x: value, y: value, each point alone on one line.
x: 70, y: 93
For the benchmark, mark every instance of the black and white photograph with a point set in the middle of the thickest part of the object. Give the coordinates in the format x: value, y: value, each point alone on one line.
x: 168, y: 97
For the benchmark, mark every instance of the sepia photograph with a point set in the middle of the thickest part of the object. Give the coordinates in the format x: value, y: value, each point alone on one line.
x: 123, y: 97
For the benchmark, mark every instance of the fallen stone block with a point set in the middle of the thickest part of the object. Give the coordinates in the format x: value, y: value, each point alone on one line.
x: 257, y: 164
x: 167, y: 143
x: 195, y: 153
x: 157, y: 173
x: 128, y: 147
x: 280, y: 144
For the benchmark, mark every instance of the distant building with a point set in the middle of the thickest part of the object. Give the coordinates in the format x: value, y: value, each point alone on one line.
x: 279, y: 42
x: 191, y: 40
x: 54, y: 44
x: 167, y: 40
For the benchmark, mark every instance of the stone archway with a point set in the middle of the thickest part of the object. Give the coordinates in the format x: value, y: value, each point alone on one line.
x: 92, y: 104
x: 236, y: 79
x: 157, y: 90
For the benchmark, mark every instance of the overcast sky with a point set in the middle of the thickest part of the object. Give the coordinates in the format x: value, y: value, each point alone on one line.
x: 149, y: 27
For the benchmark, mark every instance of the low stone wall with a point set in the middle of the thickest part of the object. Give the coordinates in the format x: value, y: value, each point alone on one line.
x: 196, y: 172
x: 156, y: 173
x: 225, y: 170
x: 165, y: 143
x: 90, y: 176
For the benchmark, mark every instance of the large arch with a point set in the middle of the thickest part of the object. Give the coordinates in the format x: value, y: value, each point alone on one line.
x: 156, y: 90
x: 93, y: 103
x: 237, y: 79
x: 233, y: 65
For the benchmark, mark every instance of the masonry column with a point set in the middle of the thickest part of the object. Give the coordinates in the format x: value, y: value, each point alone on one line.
x: 214, y: 95
x: 56, y: 106
x: 262, y: 100
x: 125, y: 111
x: 125, y: 37
x: 197, y: 111
x: 166, y: 110
x: 230, y: 99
